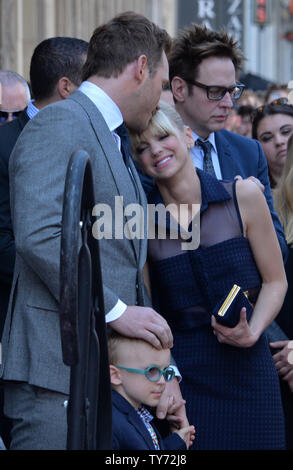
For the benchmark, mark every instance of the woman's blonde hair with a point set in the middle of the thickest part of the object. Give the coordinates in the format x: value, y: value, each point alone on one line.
x: 165, y: 119
x: 283, y: 194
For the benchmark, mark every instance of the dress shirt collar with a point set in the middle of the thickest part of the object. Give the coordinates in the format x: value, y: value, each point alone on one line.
x: 145, y: 414
x: 197, y: 154
x: 110, y: 111
x: 31, y: 110
x: 210, y: 139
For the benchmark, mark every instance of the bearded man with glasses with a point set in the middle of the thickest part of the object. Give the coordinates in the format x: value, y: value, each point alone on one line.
x: 203, y: 67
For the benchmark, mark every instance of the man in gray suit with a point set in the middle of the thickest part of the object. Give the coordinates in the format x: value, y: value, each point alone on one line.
x: 55, y: 71
x: 123, y: 78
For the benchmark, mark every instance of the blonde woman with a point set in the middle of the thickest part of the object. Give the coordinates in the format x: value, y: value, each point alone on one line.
x: 283, y: 197
x: 229, y: 380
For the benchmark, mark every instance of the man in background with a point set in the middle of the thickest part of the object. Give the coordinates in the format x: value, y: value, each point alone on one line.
x: 14, y: 95
x: 55, y: 71
x: 123, y: 77
x: 203, y: 75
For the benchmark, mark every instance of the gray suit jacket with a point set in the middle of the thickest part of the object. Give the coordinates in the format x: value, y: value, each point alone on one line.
x: 31, y: 340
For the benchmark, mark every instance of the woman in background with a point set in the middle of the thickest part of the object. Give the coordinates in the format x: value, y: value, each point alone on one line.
x: 272, y: 125
x: 283, y: 200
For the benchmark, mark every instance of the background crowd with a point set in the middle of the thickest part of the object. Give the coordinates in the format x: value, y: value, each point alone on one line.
x: 233, y: 133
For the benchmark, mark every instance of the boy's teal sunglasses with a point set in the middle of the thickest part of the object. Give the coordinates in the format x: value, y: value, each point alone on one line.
x: 153, y: 373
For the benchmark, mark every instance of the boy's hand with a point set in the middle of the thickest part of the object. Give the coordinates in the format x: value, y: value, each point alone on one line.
x: 187, y: 434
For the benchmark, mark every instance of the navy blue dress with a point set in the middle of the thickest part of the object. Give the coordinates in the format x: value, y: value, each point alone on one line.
x: 232, y: 394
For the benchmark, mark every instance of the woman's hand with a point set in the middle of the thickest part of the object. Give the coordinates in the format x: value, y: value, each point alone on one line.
x: 172, y: 406
x: 284, y: 360
x: 240, y: 336
x: 178, y: 420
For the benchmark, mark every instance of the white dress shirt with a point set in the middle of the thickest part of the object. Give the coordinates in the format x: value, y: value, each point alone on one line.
x: 113, y: 117
x: 197, y: 154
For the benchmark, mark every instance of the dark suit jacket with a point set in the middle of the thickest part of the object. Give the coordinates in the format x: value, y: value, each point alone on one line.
x: 242, y: 156
x: 130, y: 433
x: 8, y: 136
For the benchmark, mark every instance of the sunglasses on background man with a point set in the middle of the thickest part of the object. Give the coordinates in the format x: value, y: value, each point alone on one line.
x: 8, y: 115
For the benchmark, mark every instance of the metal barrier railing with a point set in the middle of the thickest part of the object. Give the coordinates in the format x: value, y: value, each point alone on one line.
x: 82, y: 314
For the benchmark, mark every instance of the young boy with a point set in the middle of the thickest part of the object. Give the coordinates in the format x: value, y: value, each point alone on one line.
x: 139, y: 373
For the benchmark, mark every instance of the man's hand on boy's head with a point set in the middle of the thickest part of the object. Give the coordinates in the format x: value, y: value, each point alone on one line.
x: 144, y: 323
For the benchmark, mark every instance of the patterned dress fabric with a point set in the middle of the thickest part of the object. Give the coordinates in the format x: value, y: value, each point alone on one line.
x: 232, y: 394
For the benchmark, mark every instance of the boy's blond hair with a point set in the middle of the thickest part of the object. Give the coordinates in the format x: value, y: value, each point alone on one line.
x: 116, y: 342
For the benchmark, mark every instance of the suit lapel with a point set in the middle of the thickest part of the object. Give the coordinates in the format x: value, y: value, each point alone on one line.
x: 118, y: 169
x: 133, y: 418
x: 23, y: 118
x: 142, y: 202
x: 228, y: 162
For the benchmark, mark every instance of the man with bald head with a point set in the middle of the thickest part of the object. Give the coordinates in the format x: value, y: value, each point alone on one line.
x: 14, y: 95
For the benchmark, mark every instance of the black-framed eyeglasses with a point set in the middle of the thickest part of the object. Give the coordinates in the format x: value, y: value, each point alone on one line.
x: 261, y: 109
x: 153, y: 373
x: 216, y: 93
x: 4, y: 115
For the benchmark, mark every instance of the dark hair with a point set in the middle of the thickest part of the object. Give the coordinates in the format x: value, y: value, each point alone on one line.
x: 121, y: 41
x: 245, y: 110
x: 268, y: 110
x: 274, y: 87
x: 196, y: 43
x: 54, y: 58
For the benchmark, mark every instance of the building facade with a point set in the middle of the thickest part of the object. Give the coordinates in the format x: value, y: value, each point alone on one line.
x: 25, y: 23
x: 269, y: 52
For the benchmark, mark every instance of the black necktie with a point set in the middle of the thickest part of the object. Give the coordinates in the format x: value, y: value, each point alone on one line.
x: 208, y: 166
x: 125, y: 143
x: 126, y: 150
